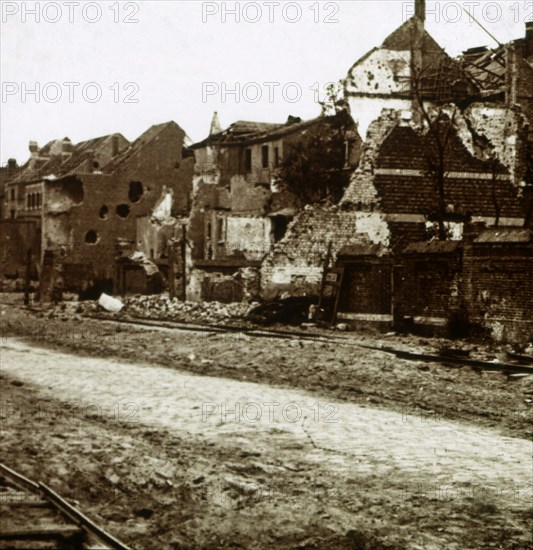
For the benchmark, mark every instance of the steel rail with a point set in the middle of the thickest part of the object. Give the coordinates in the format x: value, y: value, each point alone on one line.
x: 201, y: 327
x: 79, y: 519
x: 313, y: 337
x: 18, y: 479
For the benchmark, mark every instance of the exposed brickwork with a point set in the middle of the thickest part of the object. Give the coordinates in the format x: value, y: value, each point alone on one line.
x: 403, y: 143
x: 498, y: 288
x: 404, y: 147
x: 519, y: 82
x: 485, y: 161
x: 438, y: 285
x: 417, y: 195
x: 16, y: 238
x: 506, y: 130
x: 403, y: 233
x: 224, y: 284
x: 87, y: 233
x: 361, y: 192
x: 367, y: 287
x: 427, y: 285
x: 296, y: 262
x: 390, y: 183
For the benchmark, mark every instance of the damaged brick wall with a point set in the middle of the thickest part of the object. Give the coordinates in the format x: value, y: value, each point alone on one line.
x: 248, y: 198
x: 381, y: 78
x: 84, y: 215
x: 392, y: 178
x: 16, y: 238
x: 519, y: 80
x: 217, y: 287
x: 239, y: 208
x: 216, y: 165
x: 207, y: 198
x: 234, y: 243
x: 498, y: 288
x: 361, y: 193
x: 224, y: 284
x: 405, y: 188
x: 390, y: 201
x: 295, y: 264
x: 506, y: 130
x: 248, y: 236
x: 153, y: 238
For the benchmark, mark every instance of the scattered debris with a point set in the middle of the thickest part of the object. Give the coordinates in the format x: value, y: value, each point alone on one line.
x: 110, y: 304
x: 293, y: 311
x: 163, y: 307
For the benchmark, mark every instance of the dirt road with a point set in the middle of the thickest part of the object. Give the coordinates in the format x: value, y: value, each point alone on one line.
x: 418, y: 460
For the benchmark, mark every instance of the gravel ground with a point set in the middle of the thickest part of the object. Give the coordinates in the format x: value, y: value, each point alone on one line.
x: 345, y: 372
x: 423, y: 456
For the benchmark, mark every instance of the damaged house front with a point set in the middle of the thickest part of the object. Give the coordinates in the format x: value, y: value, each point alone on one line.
x: 444, y: 149
x: 425, y: 167
x: 91, y: 203
x: 22, y: 207
x: 90, y: 220
x: 242, y: 206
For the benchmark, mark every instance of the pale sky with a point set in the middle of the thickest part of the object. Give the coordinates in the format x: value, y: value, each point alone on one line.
x: 179, y: 55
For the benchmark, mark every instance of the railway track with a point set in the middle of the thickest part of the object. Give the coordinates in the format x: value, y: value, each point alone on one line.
x: 520, y: 364
x: 218, y: 328
x: 33, y: 516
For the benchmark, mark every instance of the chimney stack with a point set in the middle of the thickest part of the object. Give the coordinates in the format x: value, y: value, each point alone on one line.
x: 420, y: 10
x: 215, y: 125
x: 115, y: 145
x: 12, y: 165
x: 529, y: 39
x: 66, y: 146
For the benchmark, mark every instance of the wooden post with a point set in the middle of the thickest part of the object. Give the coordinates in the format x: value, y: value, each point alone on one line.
x: 184, y: 262
x: 323, y: 286
x: 27, y: 278
x: 172, y: 269
x: 338, y: 290
x: 47, y: 281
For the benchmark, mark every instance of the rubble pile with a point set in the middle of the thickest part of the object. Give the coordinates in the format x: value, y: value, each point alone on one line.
x: 159, y: 306
x: 163, y: 307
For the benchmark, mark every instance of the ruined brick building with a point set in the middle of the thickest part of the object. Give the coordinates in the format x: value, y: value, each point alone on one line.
x: 433, y: 219
x: 15, y: 238
x: 90, y: 219
x: 241, y: 207
x: 391, y: 206
x: 85, y: 200
x: 7, y: 173
x: 23, y: 189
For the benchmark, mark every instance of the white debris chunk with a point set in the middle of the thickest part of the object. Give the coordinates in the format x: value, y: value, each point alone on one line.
x: 110, y: 304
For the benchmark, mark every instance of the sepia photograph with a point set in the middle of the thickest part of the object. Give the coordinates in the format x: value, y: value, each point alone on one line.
x: 266, y: 275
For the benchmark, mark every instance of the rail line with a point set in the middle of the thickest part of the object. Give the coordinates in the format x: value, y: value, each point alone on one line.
x: 35, y: 516
x: 211, y: 327
x: 523, y: 364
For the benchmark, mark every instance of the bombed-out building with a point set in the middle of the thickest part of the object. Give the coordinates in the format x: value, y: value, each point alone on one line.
x: 90, y: 218
x: 22, y: 206
x: 441, y: 154
x: 410, y: 206
x: 85, y: 201
x: 242, y: 205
